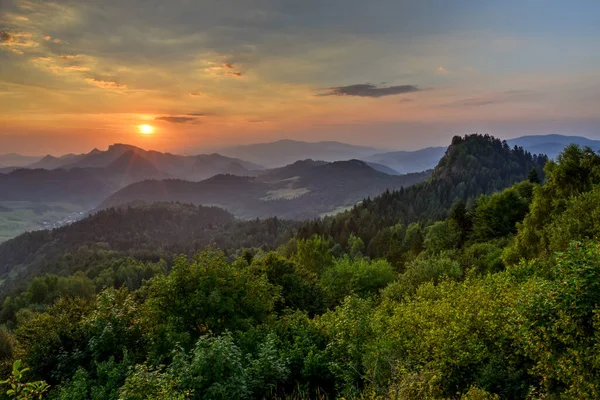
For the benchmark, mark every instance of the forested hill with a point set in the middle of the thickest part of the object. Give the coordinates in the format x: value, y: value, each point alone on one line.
x: 498, y: 301
x: 472, y: 165
x: 147, y: 232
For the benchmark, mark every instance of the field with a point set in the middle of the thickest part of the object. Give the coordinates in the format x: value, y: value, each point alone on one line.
x: 17, y: 217
x: 285, y: 194
x: 335, y: 211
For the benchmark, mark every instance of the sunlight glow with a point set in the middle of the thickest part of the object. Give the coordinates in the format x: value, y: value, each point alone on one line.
x: 146, y: 129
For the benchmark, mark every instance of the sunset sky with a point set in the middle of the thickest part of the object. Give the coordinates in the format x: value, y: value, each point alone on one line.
x: 78, y: 74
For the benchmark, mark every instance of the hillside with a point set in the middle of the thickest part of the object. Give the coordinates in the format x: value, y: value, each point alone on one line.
x: 472, y: 165
x: 301, y: 190
x: 284, y: 152
x: 143, y: 231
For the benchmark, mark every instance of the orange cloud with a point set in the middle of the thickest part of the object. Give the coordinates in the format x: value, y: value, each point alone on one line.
x: 69, y: 56
x: 51, y: 39
x: 77, y: 68
x: 105, y: 84
x: 195, y: 94
x: 15, y: 41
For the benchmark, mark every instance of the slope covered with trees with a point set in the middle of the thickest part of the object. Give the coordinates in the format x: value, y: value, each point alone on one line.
x: 497, y: 300
x: 146, y: 232
x: 473, y: 165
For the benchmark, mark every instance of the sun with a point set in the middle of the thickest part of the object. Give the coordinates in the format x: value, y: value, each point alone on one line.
x: 146, y: 129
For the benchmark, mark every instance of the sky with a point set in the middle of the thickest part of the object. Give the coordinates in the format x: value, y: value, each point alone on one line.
x: 394, y: 74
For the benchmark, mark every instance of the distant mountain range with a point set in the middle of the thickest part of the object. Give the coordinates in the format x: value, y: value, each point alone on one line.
x: 552, y: 145
x: 304, y: 189
x: 184, y: 167
x: 16, y: 160
x: 284, y: 152
x: 300, y: 189
x: 409, y: 161
x: 87, y: 179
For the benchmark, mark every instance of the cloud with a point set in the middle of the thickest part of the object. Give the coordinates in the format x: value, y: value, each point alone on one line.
x: 442, y: 70
x: 76, y: 68
x: 15, y: 41
x: 368, y: 90
x: 53, y: 40
x: 6, y: 37
x: 195, y: 94
x: 176, y: 119
x: 236, y: 74
x: 228, y: 65
x: 69, y: 56
x: 105, y: 84
x: 200, y: 114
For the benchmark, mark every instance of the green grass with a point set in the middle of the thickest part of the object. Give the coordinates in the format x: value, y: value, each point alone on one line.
x: 336, y: 211
x: 17, y: 217
x: 285, y: 194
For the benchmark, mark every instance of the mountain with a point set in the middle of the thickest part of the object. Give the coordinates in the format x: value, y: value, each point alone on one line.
x: 385, y: 169
x: 304, y: 189
x: 183, y: 167
x: 284, y: 152
x: 472, y: 165
x: 409, y: 161
x: 51, y: 162
x: 552, y: 145
x: 16, y: 160
x: 82, y: 186
x: 85, y: 187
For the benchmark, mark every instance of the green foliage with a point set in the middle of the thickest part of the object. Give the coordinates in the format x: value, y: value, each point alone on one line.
x: 559, y: 324
x: 314, y: 255
x: 360, y: 276
x: 299, y: 289
x: 148, y: 384
x: 205, y: 294
x: 575, y: 171
x: 445, y: 339
x: 20, y: 390
x: 482, y: 258
x: 442, y: 236
x: 423, y: 269
x: 496, y: 215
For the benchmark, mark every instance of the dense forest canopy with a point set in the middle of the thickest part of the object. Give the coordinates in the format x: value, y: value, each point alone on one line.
x: 481, y: 283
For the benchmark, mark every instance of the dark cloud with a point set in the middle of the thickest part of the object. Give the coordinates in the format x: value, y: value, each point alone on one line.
x: 228, y: 65
x: 6, y: 37
x: 368, y: 90
x: 195, y: 94
x: 236, y: 74
x: 199, y: 114
x: 176, y: 119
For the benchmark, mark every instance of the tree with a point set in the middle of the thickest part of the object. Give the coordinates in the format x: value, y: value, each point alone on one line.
x: 20, y: 390
x: 533, y: 176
